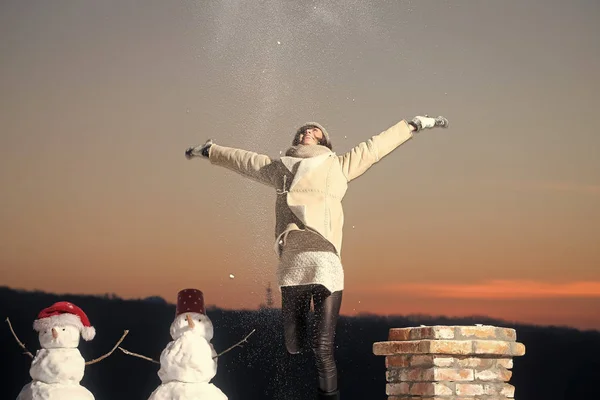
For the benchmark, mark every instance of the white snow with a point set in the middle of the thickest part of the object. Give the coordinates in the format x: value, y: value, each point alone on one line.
x: 57, y: 367
x: 187, y: 391
x: 203, y: 326
x: 67, y: 336
x: 56, y: 391
x: 231, y: 276
x: 188, y: 363
x: 188, y: 359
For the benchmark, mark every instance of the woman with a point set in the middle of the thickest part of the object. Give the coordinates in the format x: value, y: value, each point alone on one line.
x: 310, y: 182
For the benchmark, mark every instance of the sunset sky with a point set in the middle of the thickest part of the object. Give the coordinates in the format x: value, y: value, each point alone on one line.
x: 497, y: 216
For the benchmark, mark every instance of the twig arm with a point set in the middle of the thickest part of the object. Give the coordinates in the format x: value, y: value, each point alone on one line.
x: 94, y: 361
x: 131, y: 353
x: 235, y: 345
x: 17, y: 339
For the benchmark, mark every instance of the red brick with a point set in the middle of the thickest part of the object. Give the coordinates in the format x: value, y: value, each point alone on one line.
x: 435, y: 332
x: 451, y: 374
x: 423, y: 332
x: 397, y: 361
x: 426, y: 360
x: 428, y: 375
x: 491, y: 347
x: 509, y: 334
x: 505, y: 362
x: 444, y: 332
x: 475, y: 362
x: 517, y: 349
x: 508, y: 390
x: 397, y: 388
x: 469, y: 389
x: 478, y: 332
x: 427, y: 388
x: 399, y: 334
x: 502, y: 389
x: 444, y: 361
x: 413, y: 374
x: 493, y: 374
x: 392, y: 348
x: 449, y: 346
x: 394, y: 375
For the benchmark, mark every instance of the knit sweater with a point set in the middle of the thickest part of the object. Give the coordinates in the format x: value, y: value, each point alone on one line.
x: 307, y: 258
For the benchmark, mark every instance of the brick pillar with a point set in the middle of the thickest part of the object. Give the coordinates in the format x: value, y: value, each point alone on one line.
x: 449, y: 362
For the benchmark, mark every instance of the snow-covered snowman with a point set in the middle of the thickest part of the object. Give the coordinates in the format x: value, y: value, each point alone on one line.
x: 58, y: 366
x: 188, y: 363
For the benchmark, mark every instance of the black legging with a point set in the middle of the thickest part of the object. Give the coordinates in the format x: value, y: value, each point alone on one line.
x: 295, y: 306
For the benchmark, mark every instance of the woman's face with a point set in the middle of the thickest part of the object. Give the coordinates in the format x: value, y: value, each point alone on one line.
x: 312, y: 135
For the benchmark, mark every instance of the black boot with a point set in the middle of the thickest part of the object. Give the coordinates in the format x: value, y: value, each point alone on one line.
x: 328, y: 395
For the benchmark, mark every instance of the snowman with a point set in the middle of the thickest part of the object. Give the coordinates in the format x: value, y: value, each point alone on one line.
x: 188, y: 363
x: 58, y: 366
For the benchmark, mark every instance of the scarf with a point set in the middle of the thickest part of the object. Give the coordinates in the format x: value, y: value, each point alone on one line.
x: 307, y: 151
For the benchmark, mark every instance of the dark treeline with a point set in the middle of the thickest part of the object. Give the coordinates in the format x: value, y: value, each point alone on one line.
x: 560, y: 363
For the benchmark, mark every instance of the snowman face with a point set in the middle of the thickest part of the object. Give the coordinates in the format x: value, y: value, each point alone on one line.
x: 195, y: 323
x: 59, y: 337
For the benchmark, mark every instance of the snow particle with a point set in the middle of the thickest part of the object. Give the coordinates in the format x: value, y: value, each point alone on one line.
x: 278, y: 42
x: 231, y: 276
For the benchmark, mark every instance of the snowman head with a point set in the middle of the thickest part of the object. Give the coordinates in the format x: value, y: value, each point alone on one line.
x: 190, y: 315
x: 59, y: 337
x: 192, y: 323
x: 61, y: 325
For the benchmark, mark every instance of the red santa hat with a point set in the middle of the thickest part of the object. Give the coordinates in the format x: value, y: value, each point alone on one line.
x: 64, y: 313
x: 190, y: 300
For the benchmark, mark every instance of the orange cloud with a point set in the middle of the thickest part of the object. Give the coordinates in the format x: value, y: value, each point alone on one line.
x: 496, y: 289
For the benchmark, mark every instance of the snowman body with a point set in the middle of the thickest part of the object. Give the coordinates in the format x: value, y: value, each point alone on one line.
x: 188, y: 363
x: 57, y: 367
x: 37, y: 390
x: 187, y: 391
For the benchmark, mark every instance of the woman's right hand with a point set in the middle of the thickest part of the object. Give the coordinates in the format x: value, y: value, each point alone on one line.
x: 199, y: 150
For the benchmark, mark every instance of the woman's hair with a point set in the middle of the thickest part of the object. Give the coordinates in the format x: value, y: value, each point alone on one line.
x: 324, y: 141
